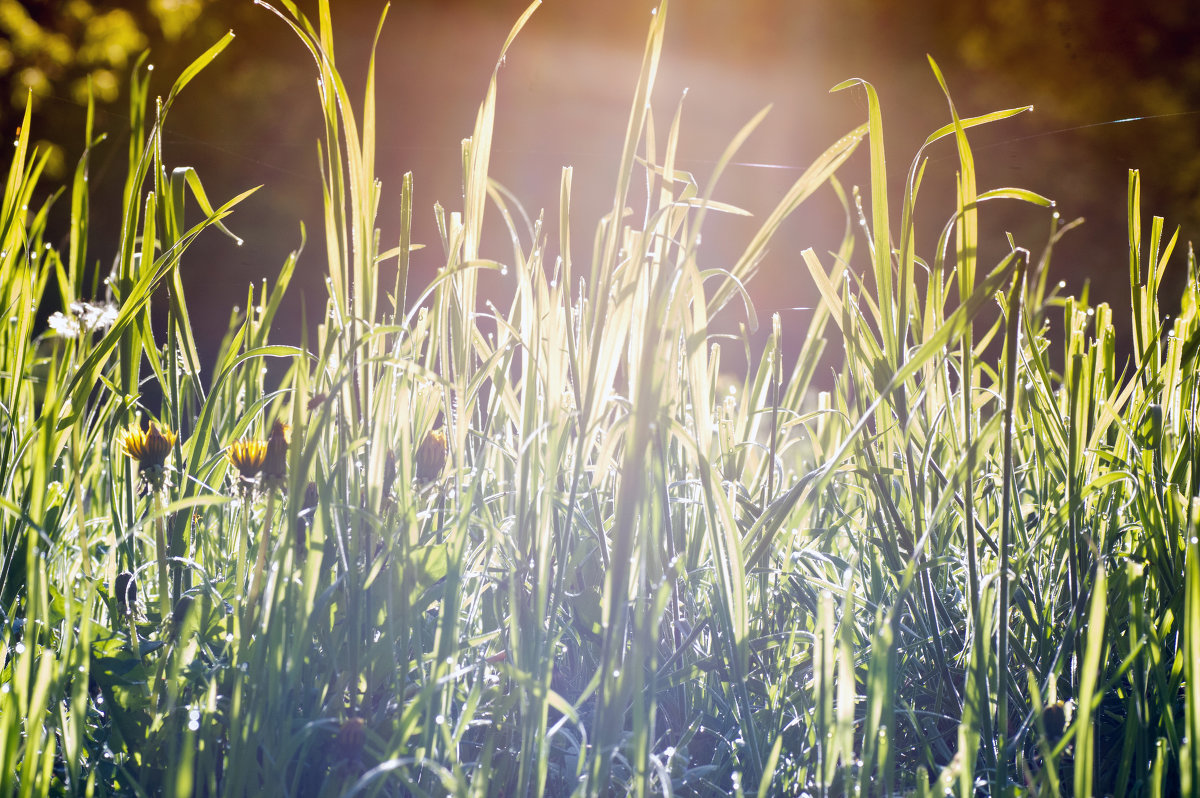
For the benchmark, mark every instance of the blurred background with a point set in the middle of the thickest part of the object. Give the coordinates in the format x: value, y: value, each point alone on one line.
x: 1115, y: 86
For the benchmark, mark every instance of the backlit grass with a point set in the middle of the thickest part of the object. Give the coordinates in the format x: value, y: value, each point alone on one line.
x: 529, y: 547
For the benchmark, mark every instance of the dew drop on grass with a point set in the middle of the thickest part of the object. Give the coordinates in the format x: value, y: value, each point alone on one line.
x: 503, y: 271
x: 439, y: 719
x: 193, y: 725
x: 20, y: 648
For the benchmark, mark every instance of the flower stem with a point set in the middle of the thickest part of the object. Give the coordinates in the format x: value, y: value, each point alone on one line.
x: 243, y: 541
x: 160, y: 545
x: 264, y: 546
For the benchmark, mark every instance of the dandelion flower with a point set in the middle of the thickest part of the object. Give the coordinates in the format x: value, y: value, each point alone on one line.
x: 150, y: 448
x: 248, y: 458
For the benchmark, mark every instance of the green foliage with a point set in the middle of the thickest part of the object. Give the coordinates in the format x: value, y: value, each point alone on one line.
x: 542, y: 548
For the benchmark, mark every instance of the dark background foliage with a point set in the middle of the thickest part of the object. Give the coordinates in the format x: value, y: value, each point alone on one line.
x: 1115, y: 86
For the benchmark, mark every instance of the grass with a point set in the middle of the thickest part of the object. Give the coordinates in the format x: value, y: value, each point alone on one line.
x: 536, y: 548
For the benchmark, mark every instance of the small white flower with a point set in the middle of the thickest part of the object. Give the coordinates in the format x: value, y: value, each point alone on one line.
x: 95, y: 317
x: 65, y: 326
x: 83, y: 317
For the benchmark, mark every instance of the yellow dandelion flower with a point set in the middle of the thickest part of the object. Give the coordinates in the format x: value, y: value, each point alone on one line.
x: 431, y: 456
x: 150, y: 448
x: 248, y: 457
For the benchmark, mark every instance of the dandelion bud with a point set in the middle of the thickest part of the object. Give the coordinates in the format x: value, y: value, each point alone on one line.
x: 125, y: 588
x: 274, y: 467
x: 352, y: 736
x: 179, y: 616
x: 389, y: 478
x: 389, y: 472
x: 1054, y: 717
x: 304, y: 519
x: 431, y: 456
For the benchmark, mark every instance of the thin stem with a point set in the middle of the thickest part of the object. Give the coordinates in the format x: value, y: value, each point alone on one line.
x: 160, y: 545
x: 264, y: 546
x: 1010, y: 393
x: 243, y: 541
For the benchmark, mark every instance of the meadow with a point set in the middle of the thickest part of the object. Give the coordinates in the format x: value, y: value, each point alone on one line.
x: 542, y: 546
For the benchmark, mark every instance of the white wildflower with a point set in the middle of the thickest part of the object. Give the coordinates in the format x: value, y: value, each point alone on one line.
x: 65, y: 326
x: 95, y: 317
x: 83, y: 317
